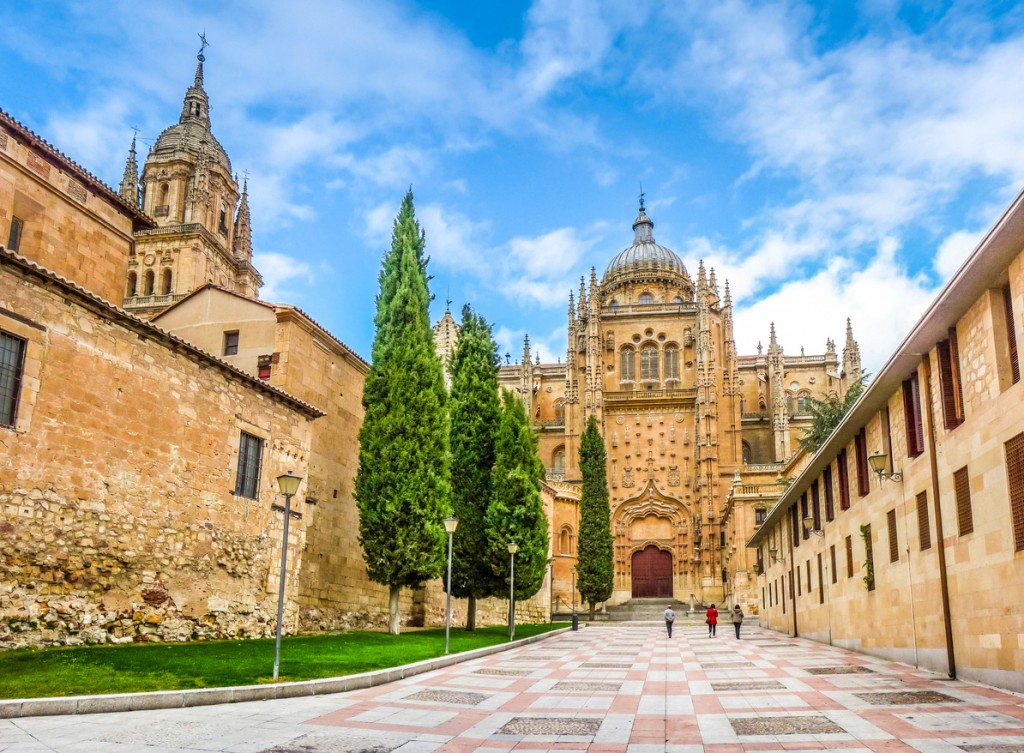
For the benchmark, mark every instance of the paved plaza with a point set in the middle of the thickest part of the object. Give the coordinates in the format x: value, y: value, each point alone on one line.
x: 624, y: 687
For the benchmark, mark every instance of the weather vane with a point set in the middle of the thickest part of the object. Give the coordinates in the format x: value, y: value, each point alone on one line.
x: 641, y: 195
x: 203, y: 44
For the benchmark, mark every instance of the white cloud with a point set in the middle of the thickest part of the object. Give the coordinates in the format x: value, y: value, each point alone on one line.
x: 280, y: 273
x: 954, y: 251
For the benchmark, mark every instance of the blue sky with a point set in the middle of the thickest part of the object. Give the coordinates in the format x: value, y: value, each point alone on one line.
x: 828, y: 161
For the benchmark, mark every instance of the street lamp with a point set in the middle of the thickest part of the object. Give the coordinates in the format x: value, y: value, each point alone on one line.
x: 288, y: 484
x: 450, y: 524
x: 513, y: 547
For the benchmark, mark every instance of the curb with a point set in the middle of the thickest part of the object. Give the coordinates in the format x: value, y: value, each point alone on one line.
x: 176, y: 699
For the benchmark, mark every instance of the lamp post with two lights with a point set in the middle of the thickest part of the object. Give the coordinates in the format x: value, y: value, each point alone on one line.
x: 288, y: 485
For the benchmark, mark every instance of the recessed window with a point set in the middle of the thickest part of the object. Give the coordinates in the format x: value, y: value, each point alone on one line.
x: 14, y: 236
x: 12, y: 364
x: 231, y: 343
x: 671, y: 362
x: 250, y: 457
x: 964, y: 513
x: 923, y: 527
x: 165, y: 282
x: 649, y: 363
x: 628, y: 371
x: 148, y: 283
x: 912, y: 414
x: 759, y: 515
x: 1015, y: 482
x: 860, y: 444
x: 1011, y: 335
x: 949, y: 380
x: 645, y: 298
x: 894, y: 541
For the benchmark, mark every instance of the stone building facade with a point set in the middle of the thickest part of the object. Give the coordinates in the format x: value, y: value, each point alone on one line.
x: 698, y: 436
x: 903, y: 537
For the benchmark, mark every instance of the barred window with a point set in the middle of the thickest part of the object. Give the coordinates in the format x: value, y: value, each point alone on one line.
x: 924, y: 529
x: 12, y: 365
x: 964, y: 514
x: 250, y: 457
x: 1015, y: 479
x: 894, y: 542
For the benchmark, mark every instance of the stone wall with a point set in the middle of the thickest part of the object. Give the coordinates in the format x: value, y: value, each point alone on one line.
x: 118, y: 517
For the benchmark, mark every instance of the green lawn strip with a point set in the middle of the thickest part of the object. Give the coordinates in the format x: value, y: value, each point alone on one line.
x: 135, y: 668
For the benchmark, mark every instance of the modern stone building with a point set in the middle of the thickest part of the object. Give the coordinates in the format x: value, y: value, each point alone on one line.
x: 903, y: 537
x: 698, y: 436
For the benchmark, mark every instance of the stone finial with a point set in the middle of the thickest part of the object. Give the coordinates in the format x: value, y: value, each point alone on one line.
x: 243, y: 226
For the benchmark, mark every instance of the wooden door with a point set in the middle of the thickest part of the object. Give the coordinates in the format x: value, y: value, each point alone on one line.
x: 652, y: 573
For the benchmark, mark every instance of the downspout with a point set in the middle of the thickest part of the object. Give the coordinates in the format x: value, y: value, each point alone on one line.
x: 792, y: 583
x: 941, y: 548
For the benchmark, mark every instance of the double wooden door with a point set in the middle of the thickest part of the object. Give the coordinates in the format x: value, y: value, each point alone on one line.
x: 652, y: 573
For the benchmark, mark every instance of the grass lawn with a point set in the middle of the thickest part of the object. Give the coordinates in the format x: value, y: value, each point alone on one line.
x: 88, y: 670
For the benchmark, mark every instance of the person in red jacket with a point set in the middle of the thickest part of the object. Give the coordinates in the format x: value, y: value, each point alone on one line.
x: 712, y: 619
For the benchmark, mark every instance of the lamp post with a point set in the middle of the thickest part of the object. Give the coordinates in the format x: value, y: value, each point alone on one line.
x: 288, y: 484
x: 513, y: 547
x: 450, y: 524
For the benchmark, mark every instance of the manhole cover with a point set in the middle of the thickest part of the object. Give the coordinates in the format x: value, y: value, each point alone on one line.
x: 905, y: 697
x: 786, y: 725
x: 842, y: 670
x: 448, y: 696
x: 539, y: 725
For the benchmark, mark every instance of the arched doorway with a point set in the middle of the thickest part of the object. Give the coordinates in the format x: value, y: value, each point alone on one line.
x: 652, y: 573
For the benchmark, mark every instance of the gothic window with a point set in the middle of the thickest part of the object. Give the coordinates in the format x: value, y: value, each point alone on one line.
x: 560, y: 412
x: 165, y: 282
x: 746, y: 452
x: 149, y: 284
x: 645, y: 298
x: 12, y: 365
x: 558, y: 459
x: 250, y: 455
x: 628, y: 372
x: 649, y: 363
x: 671, y: 362
x: 133, y: 285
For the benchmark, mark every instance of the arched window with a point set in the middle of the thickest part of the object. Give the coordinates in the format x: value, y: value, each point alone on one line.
x: 560, y: 412
x: 566, y: 540
x: 649, y: 363
x: 671, y: 362
x: 746, y: 452
x: 628, y: 373
x: 165, y: 282
x: 558, y: 459
x: 791, y: 403
x: 803, y: 403
x: 677, y: 301
x: 133, y: 285
x: 646, y: 298
x: 615, y: 303
x: 149, y: 281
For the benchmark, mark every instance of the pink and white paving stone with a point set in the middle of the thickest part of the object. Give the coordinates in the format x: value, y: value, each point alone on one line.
x: 620, y: 688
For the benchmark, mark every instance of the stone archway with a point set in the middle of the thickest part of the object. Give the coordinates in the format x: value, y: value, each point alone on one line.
x: 651, y: 573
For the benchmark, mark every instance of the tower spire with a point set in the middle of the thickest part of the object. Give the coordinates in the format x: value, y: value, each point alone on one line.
x: 243, y: 227
x: 129, y: 189
x: 196, y: 107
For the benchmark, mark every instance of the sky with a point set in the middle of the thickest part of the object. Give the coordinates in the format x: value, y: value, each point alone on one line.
x: 829, y: 160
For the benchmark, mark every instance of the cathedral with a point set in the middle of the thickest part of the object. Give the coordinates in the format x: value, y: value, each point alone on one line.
x: 133, y: 338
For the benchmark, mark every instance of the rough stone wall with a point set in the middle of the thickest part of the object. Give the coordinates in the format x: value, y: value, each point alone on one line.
x: 68, y: 228
x: 118, y: 517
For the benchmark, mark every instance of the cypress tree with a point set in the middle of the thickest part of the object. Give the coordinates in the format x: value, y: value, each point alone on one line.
x: 475, y: 412
x: 402, y: 486
x: 516, y: 511
x: 595, y: 546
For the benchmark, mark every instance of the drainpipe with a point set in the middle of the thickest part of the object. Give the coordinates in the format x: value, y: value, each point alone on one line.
x: 941, y: 548
x: 792, y: 583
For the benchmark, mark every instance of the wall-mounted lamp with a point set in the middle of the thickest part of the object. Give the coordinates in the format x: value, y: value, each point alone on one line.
x: 809, y: 528
x: 774, y: 554
x: 878, y: 463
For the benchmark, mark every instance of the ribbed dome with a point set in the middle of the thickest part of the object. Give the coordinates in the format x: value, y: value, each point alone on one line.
x: 189, y: 137
x: 644, y: 253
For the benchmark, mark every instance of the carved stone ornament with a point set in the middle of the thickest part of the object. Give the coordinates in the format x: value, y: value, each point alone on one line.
x: 620, y: 420
x: 673, y: 476
x: 149, y: 260
x: 627, y: 478
x: 679, y: 418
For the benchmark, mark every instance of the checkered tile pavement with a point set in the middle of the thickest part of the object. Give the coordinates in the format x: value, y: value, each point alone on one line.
x: 617, y: 688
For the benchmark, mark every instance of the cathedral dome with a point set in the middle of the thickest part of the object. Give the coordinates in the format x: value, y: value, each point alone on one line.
x: 644, y: 255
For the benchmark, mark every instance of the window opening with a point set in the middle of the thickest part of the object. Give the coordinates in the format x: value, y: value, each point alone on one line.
x: 964, y: 514
x: 14, y: 236
x: 12, y: 366
x: 924, y: 530
x: 912, y: 414
x: 1015, y: 478
x: 231, y: 343
x: 950, y: 386
x: 250, y: 457
x: 894, y: 542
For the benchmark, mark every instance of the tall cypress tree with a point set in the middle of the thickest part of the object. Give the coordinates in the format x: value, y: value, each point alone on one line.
x: 516, y: 512
x: 402, y: 486
x: 595, y: 567
x: 475, y: 412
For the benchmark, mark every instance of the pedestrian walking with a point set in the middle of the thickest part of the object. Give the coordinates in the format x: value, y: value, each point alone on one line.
x: 670, y: 617
x: 737, y: 619
x: 711, y: 619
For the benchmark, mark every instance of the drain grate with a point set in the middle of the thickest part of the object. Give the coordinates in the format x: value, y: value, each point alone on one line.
x: 841, y: 670
x: 539, y: 725
x: 448, y: 696
x: 747, y: 685
x: 581, y: 686
x: 906, y: 697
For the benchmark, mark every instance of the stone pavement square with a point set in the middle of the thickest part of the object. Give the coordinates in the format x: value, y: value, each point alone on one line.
x: 614, y: 688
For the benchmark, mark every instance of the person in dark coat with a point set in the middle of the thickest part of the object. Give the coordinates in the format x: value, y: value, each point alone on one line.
x: 712, y: 619
x: 670, y: 617
x: 737, y: 619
